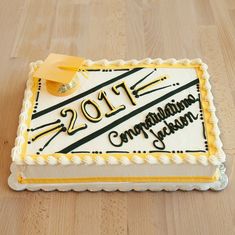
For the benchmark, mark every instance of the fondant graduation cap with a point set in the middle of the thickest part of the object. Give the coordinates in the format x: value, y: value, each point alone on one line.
x: 59, y: 72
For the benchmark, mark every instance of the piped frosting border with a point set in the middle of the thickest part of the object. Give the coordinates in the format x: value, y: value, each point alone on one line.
x: 216, y: 155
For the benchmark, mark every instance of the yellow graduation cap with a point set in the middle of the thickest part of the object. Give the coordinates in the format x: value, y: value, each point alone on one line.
x: 59, y: 71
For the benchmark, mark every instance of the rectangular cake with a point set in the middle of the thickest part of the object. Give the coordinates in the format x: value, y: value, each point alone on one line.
x: 117, y: 125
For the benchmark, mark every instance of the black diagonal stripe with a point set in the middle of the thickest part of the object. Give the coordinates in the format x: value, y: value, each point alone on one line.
x: 141, y: 80
x: 195, y: 151
x: 148, y: 92
x: 148, y: 84
x: 126, y: 117
x: 79, y: 96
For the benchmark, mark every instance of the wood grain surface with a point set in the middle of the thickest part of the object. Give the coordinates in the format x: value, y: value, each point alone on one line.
x: 113, y: 29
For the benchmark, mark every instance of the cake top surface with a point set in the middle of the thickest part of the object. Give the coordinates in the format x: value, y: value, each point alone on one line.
x: 123, y: 111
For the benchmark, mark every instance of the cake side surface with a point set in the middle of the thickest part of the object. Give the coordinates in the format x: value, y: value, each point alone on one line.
x: 78, y: 182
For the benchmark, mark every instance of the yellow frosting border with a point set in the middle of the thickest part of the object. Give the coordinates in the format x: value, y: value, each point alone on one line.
x: 209, y: 125
x: 134, y: 179
x: 30, y: 112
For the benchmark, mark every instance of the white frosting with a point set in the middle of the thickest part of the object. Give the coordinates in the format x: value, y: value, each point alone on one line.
x: 152, y: 160
x: 125, y: 161
x: 76, y: 160
x: 137, y: 160
x: 64, y: 160
x: 177, y: 159
x: 29, y: 160
x: 164, y: 159
x: 40, y: 160
x: 113, y: 160
x: 52, y: 160
x: 99, y: 160
x: 88, y: 160
x: 203, y: 160
x: 191, y: 159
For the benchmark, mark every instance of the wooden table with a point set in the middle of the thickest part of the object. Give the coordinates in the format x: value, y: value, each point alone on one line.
x: 128, y: 29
